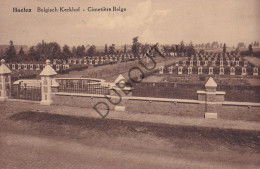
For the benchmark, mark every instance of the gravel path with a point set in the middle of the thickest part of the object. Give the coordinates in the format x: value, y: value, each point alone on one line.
x: 34, y: 136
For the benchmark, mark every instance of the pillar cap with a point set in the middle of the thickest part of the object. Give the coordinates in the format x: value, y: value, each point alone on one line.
x: 211, y: 83
x: 3, y: 68
x: 120, y: 79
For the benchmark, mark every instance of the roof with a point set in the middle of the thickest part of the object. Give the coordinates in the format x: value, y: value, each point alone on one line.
x: 3, y: 68
x: 120, y: 79
x: 48, y: 70
x: 211, y: 83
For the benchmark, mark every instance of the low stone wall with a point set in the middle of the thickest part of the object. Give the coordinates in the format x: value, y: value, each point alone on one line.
x: 169, y: 107
x: 166, y: 108
x: 80, y: 100
x: 239, y: 112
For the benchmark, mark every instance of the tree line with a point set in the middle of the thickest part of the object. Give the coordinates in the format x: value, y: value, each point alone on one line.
x: 52, y: 50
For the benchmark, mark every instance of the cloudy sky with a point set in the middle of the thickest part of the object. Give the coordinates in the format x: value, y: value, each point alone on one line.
x: 163, y: 21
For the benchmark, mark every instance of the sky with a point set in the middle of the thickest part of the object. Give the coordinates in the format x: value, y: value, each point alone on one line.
x: 162, y: 21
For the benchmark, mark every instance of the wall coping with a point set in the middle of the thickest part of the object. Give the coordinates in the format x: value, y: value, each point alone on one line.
x: 150, y: 99
x: 81, y: 78
x: 227, y: 103
x: 217, y: 92
x: 81, y: 94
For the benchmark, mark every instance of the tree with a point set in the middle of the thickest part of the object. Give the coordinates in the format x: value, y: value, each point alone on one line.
x: 21, y: 52
x: 237, y: 50
x: 241, y: 45
x: 55, y: 51
x: 145, y: 48
x: 224, y: 49
x: 112, y: 49
x: 207, y: 45
x: 182, y: 48
x: 177, y: 49
x: 136, y: 46
x: 214, y: 45
x: 73, y: 51
x: 44, y: 51
x: 66, y: 53
x: 106, y: 49
x: 91, y: 51
x: 10, y: 53
x: 190, y: 49
x: 173, y: 49
x: 201, y: 52
x: 32, y: 53
x: 2, y: 53
x: 250, y: 49
x: 125, y: 49
x: 80, y: 51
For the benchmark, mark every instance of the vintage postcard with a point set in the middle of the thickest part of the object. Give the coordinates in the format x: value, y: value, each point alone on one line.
x: 129, y: 84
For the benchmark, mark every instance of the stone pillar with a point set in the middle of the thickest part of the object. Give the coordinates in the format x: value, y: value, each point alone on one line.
x: 120, y: 90
x: 47, y: 76
x: 212, y: 98
x: 5, y: 81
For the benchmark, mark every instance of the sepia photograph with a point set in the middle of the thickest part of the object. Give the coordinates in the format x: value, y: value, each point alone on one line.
x: 129, y: 84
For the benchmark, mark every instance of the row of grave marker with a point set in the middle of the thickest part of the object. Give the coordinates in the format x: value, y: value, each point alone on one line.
x: 213, y: 63
x: 221, y: 70
x: 215, y: 58
x: 99, y: 60
x: 57, y: 67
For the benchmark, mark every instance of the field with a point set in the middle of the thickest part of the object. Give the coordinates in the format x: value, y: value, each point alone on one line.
x: 109, y: 72
x: 255, y: 61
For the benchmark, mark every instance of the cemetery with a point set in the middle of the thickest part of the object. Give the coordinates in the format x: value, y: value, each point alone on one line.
x: 27, y: 70
x: 238, y: 77
x: 164, y: 79
x: 183, y: 97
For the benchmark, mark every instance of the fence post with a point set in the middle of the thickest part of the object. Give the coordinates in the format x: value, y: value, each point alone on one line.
x: 47, y: 76
x: 5, y: 81
x: 212, y: 98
